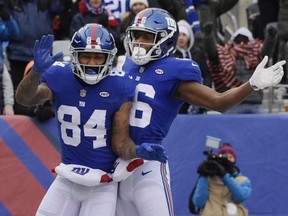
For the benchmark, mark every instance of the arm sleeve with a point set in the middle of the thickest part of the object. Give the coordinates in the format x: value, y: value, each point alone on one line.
x: 239, y: 191
x: 201, y: 192
x: 8, y: 91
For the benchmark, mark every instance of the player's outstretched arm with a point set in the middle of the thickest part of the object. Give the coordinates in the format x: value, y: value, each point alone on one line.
x: 29, y: 92
x: 198, y: 94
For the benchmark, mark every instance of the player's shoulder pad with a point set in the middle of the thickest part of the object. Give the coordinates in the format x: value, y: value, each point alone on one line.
x: 187, y: 62
x: 184, y: 64
x: 58, y: 68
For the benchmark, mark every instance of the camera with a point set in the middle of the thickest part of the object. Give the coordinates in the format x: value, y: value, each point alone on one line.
x: 215, y: 164
x: 214, y: 143
x: 221, y: 158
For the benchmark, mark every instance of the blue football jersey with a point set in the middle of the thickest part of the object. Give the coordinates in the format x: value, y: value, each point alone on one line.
x: 154, y: 108
x: 84, y: 114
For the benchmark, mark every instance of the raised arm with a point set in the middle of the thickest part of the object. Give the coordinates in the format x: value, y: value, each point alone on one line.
x: 30, y: 92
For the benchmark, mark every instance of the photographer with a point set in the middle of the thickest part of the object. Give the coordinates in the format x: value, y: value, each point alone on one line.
x: 221, y: 188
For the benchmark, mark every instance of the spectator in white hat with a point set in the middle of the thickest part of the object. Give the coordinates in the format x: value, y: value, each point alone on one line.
x: 185, y: 49
x: 138, y: 2
x: 135, y: 7
x: 232, y: 64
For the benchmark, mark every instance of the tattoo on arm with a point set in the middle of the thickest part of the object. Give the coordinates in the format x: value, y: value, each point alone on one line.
x: 122, y: 144
x: 29, y: 92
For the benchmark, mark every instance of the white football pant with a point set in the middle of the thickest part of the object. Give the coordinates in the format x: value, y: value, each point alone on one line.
x: 146, y: 192
x: 65, y: 198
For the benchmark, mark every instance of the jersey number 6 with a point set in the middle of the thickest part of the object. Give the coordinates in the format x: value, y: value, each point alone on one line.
x: 141, y: 112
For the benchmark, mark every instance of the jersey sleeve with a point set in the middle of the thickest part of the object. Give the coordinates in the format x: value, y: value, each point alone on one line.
x: 189, y: 70
x: 186, y: 70
x: 54, y: 75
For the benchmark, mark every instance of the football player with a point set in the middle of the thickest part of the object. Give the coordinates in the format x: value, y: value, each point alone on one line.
x: 163, y: 84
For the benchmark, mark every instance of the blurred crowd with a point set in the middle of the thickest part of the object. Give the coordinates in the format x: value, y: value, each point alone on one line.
x: 226, y: 57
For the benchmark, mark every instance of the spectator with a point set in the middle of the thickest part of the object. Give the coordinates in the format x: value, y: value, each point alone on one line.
x: 232, y: 64
x: 221, y: 188
x: 274, y: 12
x: 192, y: 16
x: 93, y: 11
x: 210, y: 11
x: 268, y: 13
x: 64, y: 12
x: 34, y: 18
x: 7, y: 93
x: 117, y: 8
x: 185, y: 49
x: 8, y: 31
x: 174, y: 7
x: 283, y: 35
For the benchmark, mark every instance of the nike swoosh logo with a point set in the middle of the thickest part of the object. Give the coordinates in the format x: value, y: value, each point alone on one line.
x: 145, y: 173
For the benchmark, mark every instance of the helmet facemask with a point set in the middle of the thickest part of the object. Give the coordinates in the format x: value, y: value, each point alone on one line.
x: 137, y: 52
x: 161, y: 24
x: 92, y: 74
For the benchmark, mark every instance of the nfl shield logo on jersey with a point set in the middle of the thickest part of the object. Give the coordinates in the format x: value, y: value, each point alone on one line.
x: 83, y: 93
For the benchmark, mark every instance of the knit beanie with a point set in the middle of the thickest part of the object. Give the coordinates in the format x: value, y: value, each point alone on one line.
x: 227, y: 149
x: 184, y: 30
x: 242, y: 31
x: 145, y: 2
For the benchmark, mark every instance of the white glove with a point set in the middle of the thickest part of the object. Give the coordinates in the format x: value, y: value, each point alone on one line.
x: 265, y: 77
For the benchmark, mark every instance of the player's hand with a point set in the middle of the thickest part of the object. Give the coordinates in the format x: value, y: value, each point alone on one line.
x: 42, y: 54
x: 151, y: 151
x: 266, y: 77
